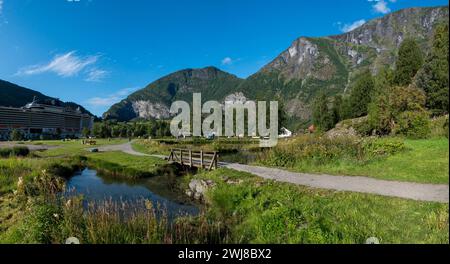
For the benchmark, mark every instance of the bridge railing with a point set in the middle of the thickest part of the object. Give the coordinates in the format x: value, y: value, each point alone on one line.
x: 200, y: 159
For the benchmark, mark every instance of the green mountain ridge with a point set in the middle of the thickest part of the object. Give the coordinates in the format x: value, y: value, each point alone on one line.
x: 211, y: 82
x: 309, y: 66
x: 12, y: 95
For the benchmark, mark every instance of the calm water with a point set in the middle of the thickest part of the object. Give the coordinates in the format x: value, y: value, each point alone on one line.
x: 94, y: 187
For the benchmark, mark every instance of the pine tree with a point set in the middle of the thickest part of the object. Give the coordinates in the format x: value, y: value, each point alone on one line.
x: 336, y: 110
x: 433, y: 77
x: 361, y: 95
x: 409, y: 61
x: 322, y: 116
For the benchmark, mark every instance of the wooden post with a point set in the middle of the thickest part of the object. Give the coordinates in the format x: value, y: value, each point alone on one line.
x: 201, y: 159
x: 190, y: 158
x: 215, y: 160
x: 181, y: 156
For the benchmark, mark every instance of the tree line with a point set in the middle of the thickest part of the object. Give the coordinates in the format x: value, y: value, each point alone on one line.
x: 145, y: 129
x: 399, y: 100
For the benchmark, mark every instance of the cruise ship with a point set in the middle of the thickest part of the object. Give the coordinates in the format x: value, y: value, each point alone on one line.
x: 44, y: 119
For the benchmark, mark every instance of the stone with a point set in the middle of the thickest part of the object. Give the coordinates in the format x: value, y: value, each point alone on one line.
x: 372, y: 240
x: 201, y: 187
x: 193, y: 185
x: 72, y: 240
x: 198, y: 196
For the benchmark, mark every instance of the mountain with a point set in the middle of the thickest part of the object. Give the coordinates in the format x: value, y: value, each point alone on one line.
x: 16, y: 96
x: 298, y: 74
x: 330, y: 64
x: 154, y: 100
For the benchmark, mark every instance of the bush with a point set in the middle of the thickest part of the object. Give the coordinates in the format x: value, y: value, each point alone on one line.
x: 399, y: 106
x: 439, y: 126
x: 20, y: 151
x: 413, y: 124
x: 15, y: 151
x: 314, y: 149
x: 16, y: 135
x: 5, y: 152
x: 383, y: 147
x: 364, y: 127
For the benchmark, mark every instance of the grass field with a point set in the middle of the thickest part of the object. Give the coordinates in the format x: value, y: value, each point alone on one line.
x: 247, y: 209
x: 424, y: 161
x: 123, y: 165
x: 258, y: 211
x: 73, y: 147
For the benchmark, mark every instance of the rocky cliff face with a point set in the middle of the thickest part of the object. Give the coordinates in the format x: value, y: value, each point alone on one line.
x: 153, y: 102
x: 330, y: 64
x: 297, y: 75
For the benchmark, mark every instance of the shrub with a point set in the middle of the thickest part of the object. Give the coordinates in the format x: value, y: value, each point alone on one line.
x: 20, y: 151
x: 384, y: 147
x: 16, y: 135
x: 15, y: 151
x: 364, y: 127
x: 413, y: 124
x: 43, y: 184
x: 279, y: 158
x: 314, y: 149
x: 389, y: 108
x: 5, y: 152
x: 439, y: 126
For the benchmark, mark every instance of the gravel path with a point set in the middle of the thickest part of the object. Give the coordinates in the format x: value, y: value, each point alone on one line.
x: 408, y: 190
x: 126, y: 147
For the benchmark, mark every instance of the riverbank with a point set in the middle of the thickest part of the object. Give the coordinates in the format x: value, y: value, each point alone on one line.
x: 240, y: 208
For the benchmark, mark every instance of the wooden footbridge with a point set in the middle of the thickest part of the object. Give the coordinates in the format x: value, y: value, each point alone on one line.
x: 191, y: 158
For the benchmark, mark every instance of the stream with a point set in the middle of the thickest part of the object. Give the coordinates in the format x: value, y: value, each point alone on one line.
x: 96, y: 188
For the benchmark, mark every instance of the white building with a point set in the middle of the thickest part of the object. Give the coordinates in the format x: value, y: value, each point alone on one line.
x: 285, y: 133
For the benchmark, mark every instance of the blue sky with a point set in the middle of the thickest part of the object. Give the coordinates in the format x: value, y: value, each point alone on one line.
x: 96, y: 52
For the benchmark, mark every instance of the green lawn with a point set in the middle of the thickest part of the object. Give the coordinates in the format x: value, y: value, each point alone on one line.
x: 259, y: 211
x: 74, y: 147
x: 425, y: 161
x: 125, y: 165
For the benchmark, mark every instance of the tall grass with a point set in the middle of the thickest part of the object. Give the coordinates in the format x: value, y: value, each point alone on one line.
x: 109, y: 222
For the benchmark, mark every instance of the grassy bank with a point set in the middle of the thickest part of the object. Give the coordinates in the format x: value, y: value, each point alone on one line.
x: 259, y: 211
x: 424, y: 160
x: 119, y: 164
x: 241, y: 208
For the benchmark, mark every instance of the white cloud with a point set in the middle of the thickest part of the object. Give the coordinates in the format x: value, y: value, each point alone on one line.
x: 65, y: 65
x: 111, y: 98
x: 227, y: 61
x: 1, y: 6
x: 96, y: 75
x: 381, y: 6
x: 352, y: 26
x: 68, y: 65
